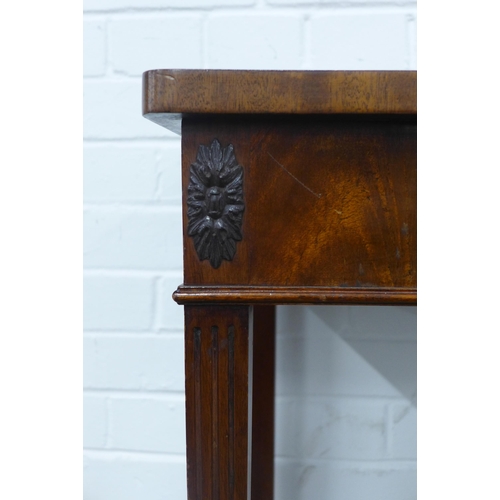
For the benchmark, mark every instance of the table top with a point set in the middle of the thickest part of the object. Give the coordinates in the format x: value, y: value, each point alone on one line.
x: 324, y: 205
x: 168, y: 94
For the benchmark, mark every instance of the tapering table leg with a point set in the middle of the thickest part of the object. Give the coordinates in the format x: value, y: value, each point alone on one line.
x: 218, y: 393
x: 227, y: 456
x: 264, y: 355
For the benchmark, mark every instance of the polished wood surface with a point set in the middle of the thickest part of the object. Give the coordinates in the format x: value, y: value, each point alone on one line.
x: 222, y: 294
x: 170, y: 94
x: 288, y: 92
x: 229, y: 358
x: 263, y: 381
x: 329, y: 202
x: 298, y: 188
x: 218, y: 391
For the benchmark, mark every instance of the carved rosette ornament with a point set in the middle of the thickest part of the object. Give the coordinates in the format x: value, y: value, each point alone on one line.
x: 215, y: 203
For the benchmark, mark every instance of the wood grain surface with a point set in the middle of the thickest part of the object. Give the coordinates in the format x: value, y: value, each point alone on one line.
x: 263, y: 389
x: 220, y: 294
x: 329, y: 201
x: 217, y: 360
x: 170, y: 94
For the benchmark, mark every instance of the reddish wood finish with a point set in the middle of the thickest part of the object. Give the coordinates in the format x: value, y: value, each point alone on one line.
x: 177, y: 92
x: 264, y: 354
x: 218, y: 347
x: 329, y: 194
x: 230, y: 402
x: 329, y: 202
x: 220, y: 294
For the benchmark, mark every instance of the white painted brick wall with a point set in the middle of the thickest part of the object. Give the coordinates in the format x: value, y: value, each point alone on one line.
x: 94, y: 41
x: 403, y: 424
x: 114, y: 302
x: 170, y: 317
x: 110, y: 110
x: 138, y: 424
x: 346, y: 390
x: 129, y: 362
x: 112, y: 236
x: 364, y: 40
x: 133, y: 476
x: 123, y: 5
x: 136, y: 45
x: 319, y: 479
x: 131, y: 174
x: 95, y: 416
x: 271, y: 41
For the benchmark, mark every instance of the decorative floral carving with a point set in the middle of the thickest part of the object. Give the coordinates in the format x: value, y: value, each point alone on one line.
x: 215, y: 203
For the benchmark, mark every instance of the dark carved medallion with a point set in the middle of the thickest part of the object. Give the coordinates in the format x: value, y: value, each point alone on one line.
x: 215, y: 203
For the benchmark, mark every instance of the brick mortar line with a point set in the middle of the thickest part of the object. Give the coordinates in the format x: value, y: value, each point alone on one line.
x: 128, y: 207
x: 129, y: 451
x: 383, y: 400
x: 371, y: 465
x: 114, y: 78
x: 347, y: 338
x: 162, y: 332
x: 158, y: 143
x: 110, y: 394
x: 389, y: 437
x: 165, y: 141
x: 128, y: 454
x: 175, y: 333
x: 169, y: 10
x: 334, y: 5
x: 134, y: 273
x: 368, y: 9
x: 365, y: 466
x: 173, y: 12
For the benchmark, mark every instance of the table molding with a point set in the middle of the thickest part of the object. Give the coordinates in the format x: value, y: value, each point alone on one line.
x: 219, y: 294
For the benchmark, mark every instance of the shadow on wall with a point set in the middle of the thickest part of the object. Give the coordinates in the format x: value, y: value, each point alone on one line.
x: 348, y: 350
x: 346, y: 403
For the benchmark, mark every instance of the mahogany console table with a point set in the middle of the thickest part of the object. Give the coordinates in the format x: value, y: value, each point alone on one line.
x: 299, y: 187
